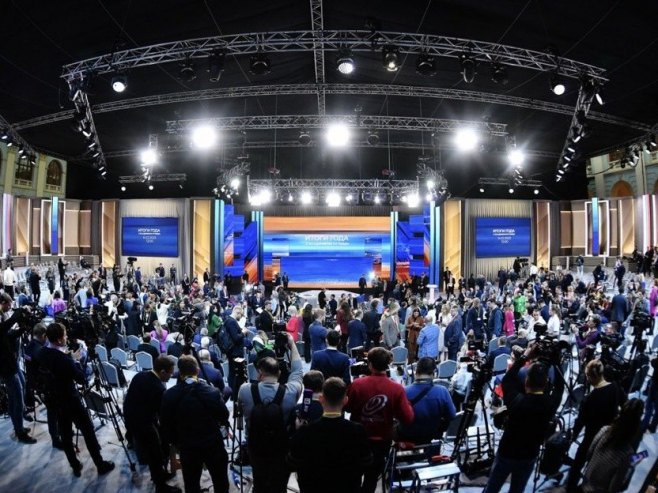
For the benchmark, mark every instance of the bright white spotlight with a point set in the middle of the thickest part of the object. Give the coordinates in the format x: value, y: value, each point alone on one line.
x: 371, y: 275
x: 348, y: 197
x: 378, y: 199
x: 429, y: 197
x: 516, y: 157
x: 306, y: 198
x: 290, y: 198
x: 413, y: 200
x: 338, y: 135
x: 123, y: 189
x: 511, y: 190
x: 404, y: 199
x: 430, y: 184
x: 536, y: 191
x: 481, y: 190
x: 466, y: 139
x: 150, y: 187
x: 148, y: 157
x: 204, y: 137
x: 333, y: 199
x: 265, y: 196
x: 235, y: 183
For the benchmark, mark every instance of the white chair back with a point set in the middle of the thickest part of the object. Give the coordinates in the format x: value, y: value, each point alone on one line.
x: 133, y: 342
x: 500, y: 363
x: 447, y: 368
x: 121, y: 356
x: 144, y: 361
x: 101, y: 351
x: 110, y: 373
x: 400, y: 355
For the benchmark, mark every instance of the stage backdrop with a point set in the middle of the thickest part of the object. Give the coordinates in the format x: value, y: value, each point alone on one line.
x: 327, y: 251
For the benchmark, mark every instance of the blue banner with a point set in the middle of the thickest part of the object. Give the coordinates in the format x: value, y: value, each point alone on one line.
x: 54, y: 226
x: 149, y: 236
x: 595, y: 226
x: 502, y: 237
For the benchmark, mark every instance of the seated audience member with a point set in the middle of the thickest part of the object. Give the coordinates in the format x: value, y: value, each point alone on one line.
x: 432, y: 405
x: 375, y: 401
x: 330, y: 361
x: 147, y: 348
x: 521, y: 339
x: 309, y: 412
x: 428, y: 339
x: 459, y: 384
x: 176, y: 349
x: 331, y: 454
x: 159, y: 334
x: 140, y: 408
x: 317, y: 331
x: 356, y: 330
x: 501, y: 349
x: 213, y: 375
x: 58, y: 304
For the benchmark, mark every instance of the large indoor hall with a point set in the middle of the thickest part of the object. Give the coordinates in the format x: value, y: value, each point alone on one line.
x: 328, y: 246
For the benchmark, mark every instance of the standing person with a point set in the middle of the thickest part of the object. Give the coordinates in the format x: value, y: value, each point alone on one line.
x: 363, y: 284
x: 50, y: 279
x: 414, y: 324
x: 268, y: 406
x: 375, y: 401
x: 64, y: 372
x: 391, y: 325
x: 495, y: 321
x: 332, y: 454
x: 285, y: 280
x: 141, y: 409
x: 191, y: 415
x: 428, y: 339
x: 371, y: 320
x: 447, y: 275
x: 475, y: 319
x: 343, y: 318
x: 10, y: 373
x: 322, y: 299
x: 529, y: 416
x: 580, y: 261
x: 317, y: 331
x: 236, y: 350
x: 9, y: 278
x: 356, y: 331
x: 620, y: 272
x: 35, y: 287
x: 508, y: 323
x: 609, y: 463
x: 307, y: 318
x: 172, y: 274
x: 331, y: 362
x: 454, y: 335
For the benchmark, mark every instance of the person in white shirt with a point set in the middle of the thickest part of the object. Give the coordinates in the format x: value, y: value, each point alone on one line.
x: 9, y: 279
x: 554, y: 322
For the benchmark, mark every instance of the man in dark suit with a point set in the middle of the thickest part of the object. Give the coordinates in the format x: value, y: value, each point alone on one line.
x: 501, y: 349
x: 140, y: 408
x: 176, y: 349
x: 620, y: 271
x: 64, y: 371
x: 265, y: 319
x: 363, y: 284
x: 446, y: 278
x: 237, y: 336
x: 330, y: 361
x: 371, y: 321
x: 333, y: 305
x: 619, y: 309
x: 147, y: 348
x: 356, y: 330
x: 34, y: 280
x: 213, y: 375
x: 322, y: 298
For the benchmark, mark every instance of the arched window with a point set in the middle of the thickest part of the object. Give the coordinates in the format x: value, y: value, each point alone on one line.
x: 54, y: 173
x: 23, y: 169
x: 621, y: 189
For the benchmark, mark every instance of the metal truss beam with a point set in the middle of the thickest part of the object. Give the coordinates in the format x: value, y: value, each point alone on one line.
x: 81, y: 102
x: 266, y: 122
x: 317, y: 24
x: 16, y: 139
x: 171, y: 177
x: 322, y: 186
x: 506, y: 182
x: 357, y: 41
x: 351, y: 89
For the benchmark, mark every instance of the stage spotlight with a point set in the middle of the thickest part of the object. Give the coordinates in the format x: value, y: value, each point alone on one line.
x: 235, y: 183
x: 636, y: 153
x: 481, y: 190
x: 373, y: 138
x: 187, y: 71
x: 430, y: 184
x: 333, y: 199
x: 338, y: 135
x: 33, y: 159
x: 348, y: 197
x: 511, y: 190
x: 536, y: 191
x: 499, y: 74
x: 571, y: 147
x: 425, y: 65
x: 305, y: 198
x: 5, y: 135
x: 148, y: 157
x: 345, y: 61
x: 560, y: 172
x: 119, y: 82
x: 304, y: 138
x: 150, y: 187
x: 557, y: 85
x: 466, y: 139
x: 123, y: 189
x: 216, y: 65
x: 468, y: 68
x: 265, y: 195
x: 413, y: 199
x: 204, y: 137
x: 259, y: 64
x: 516, y: 157
x: 86, y: 130
x: 577, y: 136
x: 290, y: 197
x: 652, y: 140
x: 598, y: 94
x: 180, y: 185
x: 21, y: 150
x: 391, y: 58
x: 429, y: 197
x: 377, y: 199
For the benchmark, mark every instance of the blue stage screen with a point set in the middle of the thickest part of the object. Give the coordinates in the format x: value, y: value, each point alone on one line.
x: 149, y: 236
x: 502, y: 237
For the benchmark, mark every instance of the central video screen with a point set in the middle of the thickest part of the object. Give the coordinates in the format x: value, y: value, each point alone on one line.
x: 327, y: 251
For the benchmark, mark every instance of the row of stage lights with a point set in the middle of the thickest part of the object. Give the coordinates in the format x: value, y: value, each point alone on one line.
x: 23, y: 152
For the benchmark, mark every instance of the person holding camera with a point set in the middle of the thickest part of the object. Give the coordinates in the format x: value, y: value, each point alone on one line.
x: 530, y: 411
x: 63, y: 373
x: 268, y: 406
x: 191, y: 416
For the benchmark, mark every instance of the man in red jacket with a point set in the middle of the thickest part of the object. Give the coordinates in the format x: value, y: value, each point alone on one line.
x: 375, y: 401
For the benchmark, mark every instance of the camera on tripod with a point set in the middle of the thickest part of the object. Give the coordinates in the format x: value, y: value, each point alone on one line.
x: 550, y: 349
x: 131, y: 260
x: 640, y: 322
x: 280, y: 338
x: 359, y: 362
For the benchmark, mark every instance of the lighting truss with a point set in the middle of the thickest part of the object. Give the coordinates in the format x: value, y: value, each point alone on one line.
x: 266, y: 122
x: 333, y: 40
x: 583, y: 104
x: 350, y: 89
x: 15, y: 137
x: 81, y: 103
x: 317, y: 23
x: 169, y: 177
x: 283, y: 187
x: 506, y: 181
x: 636, y: 142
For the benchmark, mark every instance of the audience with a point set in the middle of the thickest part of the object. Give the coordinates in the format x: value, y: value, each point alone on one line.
x: 331, y: 362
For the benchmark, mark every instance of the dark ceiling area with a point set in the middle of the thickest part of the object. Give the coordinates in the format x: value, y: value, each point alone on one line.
x: 40, y: 38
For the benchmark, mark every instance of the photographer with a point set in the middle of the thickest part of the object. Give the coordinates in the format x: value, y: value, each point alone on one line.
x: 267, y: 407
x: 530, y: 412
x: 10, y: 374
x: 598, y: 408
x: 63, y: 373
x: 191, y: 415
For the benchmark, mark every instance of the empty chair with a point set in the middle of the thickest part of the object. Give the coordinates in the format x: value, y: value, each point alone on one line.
x: 121, y: 341
x: 252, y: 373
x: 493, y: 344
x: 156, y: 344
x: 500, y: 363
x: 133, y: 343
x: 101, y: 351
x: 144, y: 361
x: 121, y: 356
x: 400, y: 355
x: 447, y: 368
x: 110, y: 373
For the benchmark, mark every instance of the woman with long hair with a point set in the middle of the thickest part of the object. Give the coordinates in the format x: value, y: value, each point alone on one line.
x: 159, y: 334
x: 609, y: 456
x: 307, y: 318
x: 414, y: 324
x: 343, y: 317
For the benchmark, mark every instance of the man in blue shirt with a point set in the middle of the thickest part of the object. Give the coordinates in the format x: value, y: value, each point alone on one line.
x: 428, y: 339
x: 330, y: 361
x: 356, y: 331
x: 433, y: 407
x: 317, y: 331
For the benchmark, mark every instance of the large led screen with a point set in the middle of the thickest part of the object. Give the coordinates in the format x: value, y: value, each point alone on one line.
x: 327, y: 251
x: 502, y: 237
x: 149, y: 236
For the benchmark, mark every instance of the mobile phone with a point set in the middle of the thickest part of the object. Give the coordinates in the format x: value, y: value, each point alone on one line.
x: 639, y: 457
x: 306, y: 404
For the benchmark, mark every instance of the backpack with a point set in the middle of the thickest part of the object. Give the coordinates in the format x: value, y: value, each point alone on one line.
x: 224, y: 340
x: 267, y: 430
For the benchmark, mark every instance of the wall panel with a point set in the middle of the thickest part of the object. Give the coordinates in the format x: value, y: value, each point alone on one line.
x: 626, y: 226
x: 543, y: 233
x: 108, y: 234
x: 23, y: 221
x: 452, y: 238
x: 202, y: 232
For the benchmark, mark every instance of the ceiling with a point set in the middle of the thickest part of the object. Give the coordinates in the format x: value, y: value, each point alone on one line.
x: 39, y: 38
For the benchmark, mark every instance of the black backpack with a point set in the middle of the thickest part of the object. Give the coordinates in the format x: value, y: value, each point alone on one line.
x: 224, y: 340
x: 268, y: 435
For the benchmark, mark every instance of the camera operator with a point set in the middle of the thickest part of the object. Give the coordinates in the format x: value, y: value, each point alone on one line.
x: 10, y: 374
x: 587, y: 337
x: 141, y: 407
x: 530, y: 411
x: 375, y: 401
x: 191, y: 415
x: 236, y: 350
x: 63, y: 372
x: 267, y: 407
x: 265, y: 319
x: 598, y: 408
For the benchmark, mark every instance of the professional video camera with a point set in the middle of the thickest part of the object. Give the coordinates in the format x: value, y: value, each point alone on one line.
x: 280, y: 338
x: 641, y: 321
x: 29, y: 317
x: 551, y: 350
x: 131, y: 260
x: 359, y: 362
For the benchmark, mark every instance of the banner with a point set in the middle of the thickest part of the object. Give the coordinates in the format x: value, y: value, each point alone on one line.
x: 502, y: 237
x: 149, y: 236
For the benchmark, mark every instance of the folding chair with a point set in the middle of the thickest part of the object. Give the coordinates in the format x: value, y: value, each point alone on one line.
x: 101, y: 351
x: 122, y: 357
x: 144, y: 361
x: 447, y: 369
x: 156, y: 344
